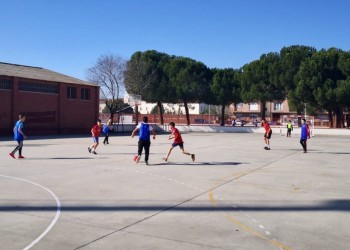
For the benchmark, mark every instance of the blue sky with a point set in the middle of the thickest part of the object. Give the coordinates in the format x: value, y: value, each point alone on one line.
x: 68, y: 36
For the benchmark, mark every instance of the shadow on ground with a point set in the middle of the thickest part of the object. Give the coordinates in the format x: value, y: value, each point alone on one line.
x: 325, y: 206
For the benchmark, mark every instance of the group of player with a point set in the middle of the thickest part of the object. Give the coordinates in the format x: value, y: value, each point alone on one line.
x: 145, y: 131
x: 144, y: 143
x: 305, y: 133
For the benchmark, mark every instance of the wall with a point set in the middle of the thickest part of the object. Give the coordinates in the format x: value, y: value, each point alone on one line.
x: 5, y: 111
x: 48, y: 113
x: 76, y: 115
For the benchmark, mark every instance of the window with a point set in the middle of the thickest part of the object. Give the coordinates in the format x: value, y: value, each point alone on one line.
x: 5, y: 84
x: 85, y: 94
x: 71, y: 93
x: 278, y: 106
x: 253, y: 106
x: 38, y: 87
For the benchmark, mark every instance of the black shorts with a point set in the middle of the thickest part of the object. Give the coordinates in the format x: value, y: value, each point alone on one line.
x: 181, y: 145
x: 268, y: 135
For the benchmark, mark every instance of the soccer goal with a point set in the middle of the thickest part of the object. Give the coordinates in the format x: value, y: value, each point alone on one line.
x: 296, y: 122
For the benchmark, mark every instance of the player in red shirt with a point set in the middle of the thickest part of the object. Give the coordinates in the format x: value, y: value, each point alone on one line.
x: 95, y: 132
x: 175, y: 134
x: 267, y: 135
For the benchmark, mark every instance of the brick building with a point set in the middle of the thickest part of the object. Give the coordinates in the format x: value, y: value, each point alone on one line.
x: 275, y: 111
x: 52, y: 102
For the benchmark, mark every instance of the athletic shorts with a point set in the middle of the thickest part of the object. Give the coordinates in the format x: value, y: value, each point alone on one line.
x: 181, y: 145
x: 289, y: 130
x: 95, y: 139
x: 267, y: 136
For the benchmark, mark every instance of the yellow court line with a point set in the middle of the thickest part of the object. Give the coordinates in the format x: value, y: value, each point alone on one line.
x: 237, y: 175
x: 248, y: 229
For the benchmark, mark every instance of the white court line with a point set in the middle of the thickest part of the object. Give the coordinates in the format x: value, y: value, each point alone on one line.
x: 58, y: 210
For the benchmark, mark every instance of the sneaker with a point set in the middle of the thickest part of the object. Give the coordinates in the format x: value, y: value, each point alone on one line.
x: 89, y: 149
x: 193, y: 157
x: 94, y: 153
x: 138, y: 159
x: 147, y: 163
x: 268, y: 148
x: 12, y: 155
x: 265, y: 148
x: 20, y: 157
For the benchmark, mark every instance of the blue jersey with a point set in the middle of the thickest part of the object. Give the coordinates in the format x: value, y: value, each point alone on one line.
x: 145, y: 132
x: 304, y: 131
x: 17, y: 135
x: 105, y: 129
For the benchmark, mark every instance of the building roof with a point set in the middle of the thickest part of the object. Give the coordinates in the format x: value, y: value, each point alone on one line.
x: 37, y: 73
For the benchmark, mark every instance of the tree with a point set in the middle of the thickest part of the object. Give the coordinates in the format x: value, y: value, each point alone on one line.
x: 322, y: 75
x: 189, y: 80
x: 225, y: 87
x: 108, y: 73
x: 159, y: 89
x: 290, y: 61
x: 123, y: 107
x: 260, y: 81
x: 139, y: 74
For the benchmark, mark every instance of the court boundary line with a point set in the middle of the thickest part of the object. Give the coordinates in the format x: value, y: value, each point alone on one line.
x: 55, y: 219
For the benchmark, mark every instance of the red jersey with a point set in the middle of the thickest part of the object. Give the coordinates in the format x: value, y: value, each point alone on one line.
x: 96, y: 131
x: 267, y: 127
x: 177, y: 136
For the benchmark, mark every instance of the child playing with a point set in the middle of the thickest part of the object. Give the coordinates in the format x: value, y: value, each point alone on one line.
x: 305, y: 134
x: 267, y: 135
x: 175, y: 134
x: 95, y: 131
x: 144, y: 139
x: 106, y: 130
x: 19, y: 136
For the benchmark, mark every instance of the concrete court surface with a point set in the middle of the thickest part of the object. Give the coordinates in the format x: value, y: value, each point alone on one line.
x: 236, y: 195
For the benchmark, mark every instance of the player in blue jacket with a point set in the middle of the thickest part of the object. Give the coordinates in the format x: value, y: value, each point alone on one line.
x: 144, y: 139
x: 19, y: 136
x: 305, y: 134
x: 106, y: 130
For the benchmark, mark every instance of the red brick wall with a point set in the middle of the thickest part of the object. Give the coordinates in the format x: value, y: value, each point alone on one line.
x: 76, y: 115
x: 48, y: 113
x: 5, y: 111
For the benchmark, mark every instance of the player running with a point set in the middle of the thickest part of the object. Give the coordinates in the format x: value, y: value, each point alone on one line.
x: 144, y: 139
x: 175, y: 134
x: 19, y: 136
x: 95, y: 132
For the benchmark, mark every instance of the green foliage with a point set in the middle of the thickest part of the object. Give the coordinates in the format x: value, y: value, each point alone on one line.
x: 299, y: 73
x: 116, y: 106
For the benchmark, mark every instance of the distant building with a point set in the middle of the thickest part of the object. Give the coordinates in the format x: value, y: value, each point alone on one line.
x: 169, y: 108
x: 52, y: 102
x: 275, y: 111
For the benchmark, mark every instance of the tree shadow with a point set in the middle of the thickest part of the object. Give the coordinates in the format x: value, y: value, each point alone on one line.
x: 325, y: 206
x: 67, y: 158
x: 197, y: 163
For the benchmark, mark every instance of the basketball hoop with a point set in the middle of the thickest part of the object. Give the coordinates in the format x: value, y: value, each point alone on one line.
x: 132, y: 100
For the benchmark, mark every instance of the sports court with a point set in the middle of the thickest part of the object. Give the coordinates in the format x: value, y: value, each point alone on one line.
x: 236, y: 195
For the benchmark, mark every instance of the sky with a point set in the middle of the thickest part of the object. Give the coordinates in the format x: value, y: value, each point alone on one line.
x: 67, y: 36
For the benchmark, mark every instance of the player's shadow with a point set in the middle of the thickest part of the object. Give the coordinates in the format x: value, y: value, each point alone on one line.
x: 227, y: 163
x: 67, y: 158
x: 335, y: 153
